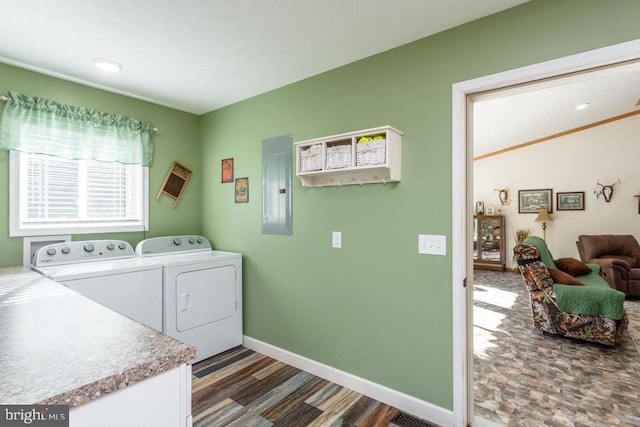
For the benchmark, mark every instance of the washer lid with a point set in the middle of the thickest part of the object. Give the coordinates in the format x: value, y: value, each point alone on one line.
x: 85, y: 270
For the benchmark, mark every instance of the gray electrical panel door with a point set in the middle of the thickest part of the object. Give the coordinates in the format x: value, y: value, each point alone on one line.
x: 276, y: 185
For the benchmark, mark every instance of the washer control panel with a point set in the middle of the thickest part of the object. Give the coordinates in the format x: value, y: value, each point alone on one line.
x: 172, y: 244
x: 81, y: 251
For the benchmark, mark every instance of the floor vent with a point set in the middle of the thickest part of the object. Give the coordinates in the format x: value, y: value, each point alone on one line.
x: 405, y: 420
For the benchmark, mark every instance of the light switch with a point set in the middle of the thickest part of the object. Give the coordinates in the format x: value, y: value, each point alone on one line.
x: 432, y: 244
x: 336, y: 239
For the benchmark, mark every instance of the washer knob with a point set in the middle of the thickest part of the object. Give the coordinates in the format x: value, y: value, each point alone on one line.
x: 121, y: 246
x: 199, y: 239
x: 51, y: 251
x: 66, y: 250
x: 110, y: 246
x: 177, y: 241
x: 89, y: 247
x: 192, y: 240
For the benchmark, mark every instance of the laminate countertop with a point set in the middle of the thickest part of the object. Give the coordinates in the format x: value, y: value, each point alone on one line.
x: 58, y: 347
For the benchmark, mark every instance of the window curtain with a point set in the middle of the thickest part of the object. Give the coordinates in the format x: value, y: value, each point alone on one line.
x: 39, y: 125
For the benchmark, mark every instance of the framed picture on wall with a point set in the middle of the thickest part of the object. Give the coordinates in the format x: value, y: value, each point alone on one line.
x: 531, y: 201
x: 570, y: 201
x: 242, y: 190
x: 227, y: 170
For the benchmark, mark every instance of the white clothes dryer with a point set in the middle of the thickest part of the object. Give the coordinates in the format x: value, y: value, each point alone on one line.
x: 202, y: 290
x: 109, y: 273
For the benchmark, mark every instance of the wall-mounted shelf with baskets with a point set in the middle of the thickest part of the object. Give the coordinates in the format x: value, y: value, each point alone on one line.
x: 361, y: 157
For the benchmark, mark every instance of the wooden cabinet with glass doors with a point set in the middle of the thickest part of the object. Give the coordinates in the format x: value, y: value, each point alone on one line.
x: 488, y: 242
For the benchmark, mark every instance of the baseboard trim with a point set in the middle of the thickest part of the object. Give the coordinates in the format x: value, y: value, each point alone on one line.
x: 402, y: 401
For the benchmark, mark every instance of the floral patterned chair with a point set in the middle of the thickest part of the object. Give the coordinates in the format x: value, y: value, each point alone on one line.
x: 549, y: 315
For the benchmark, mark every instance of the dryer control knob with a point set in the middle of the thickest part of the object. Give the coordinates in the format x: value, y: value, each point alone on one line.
x: 192, y: 240
x: 51, y: 251
x: 110, y: 246
x: 66, y: 250
x: 89, y: 247
x: 122, y: 246
x: 177, y: 241
x: 199, y: 239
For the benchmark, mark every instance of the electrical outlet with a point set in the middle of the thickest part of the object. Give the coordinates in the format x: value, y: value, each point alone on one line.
x: 432, y: 244
x: 336, y: 239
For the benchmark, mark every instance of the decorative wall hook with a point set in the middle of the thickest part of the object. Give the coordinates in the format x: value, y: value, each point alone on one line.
x: 605, y: 191
x: 503, y: 195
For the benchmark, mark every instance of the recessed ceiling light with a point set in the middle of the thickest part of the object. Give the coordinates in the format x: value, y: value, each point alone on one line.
x: 107, y: 65
x: 582, y: 106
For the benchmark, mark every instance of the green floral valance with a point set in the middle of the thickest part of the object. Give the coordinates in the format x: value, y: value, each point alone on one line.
x: 38, y: 125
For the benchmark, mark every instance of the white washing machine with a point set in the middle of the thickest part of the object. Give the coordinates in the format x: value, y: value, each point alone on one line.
x: 108, y: 272
x: 202, y: 291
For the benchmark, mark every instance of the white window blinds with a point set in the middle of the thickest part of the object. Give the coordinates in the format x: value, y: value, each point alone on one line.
x: 60, y: 190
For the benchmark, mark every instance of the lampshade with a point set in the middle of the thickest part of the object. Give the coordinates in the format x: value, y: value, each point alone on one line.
x: 543, y: 216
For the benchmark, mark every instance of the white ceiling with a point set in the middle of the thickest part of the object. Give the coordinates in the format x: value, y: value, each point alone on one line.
x: 200, y: 55
x: 520, y: 115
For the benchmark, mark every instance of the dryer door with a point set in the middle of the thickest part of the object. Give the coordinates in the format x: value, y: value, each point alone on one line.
x: 205, y: 296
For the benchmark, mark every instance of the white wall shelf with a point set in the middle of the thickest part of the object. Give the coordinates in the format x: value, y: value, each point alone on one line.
x: 361, y: 157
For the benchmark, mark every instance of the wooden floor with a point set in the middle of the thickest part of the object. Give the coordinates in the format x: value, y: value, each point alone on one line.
x: 243, y: 388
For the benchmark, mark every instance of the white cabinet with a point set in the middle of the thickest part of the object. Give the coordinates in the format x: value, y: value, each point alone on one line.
x: 163, y: 400
x: 361, y: 157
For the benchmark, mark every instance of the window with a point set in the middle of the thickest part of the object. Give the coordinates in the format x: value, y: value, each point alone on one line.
x: 52, y: 194
x: 73, y: 169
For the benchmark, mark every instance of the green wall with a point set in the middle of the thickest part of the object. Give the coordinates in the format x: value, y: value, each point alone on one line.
x: 177, y: 139
x: 375, y: 308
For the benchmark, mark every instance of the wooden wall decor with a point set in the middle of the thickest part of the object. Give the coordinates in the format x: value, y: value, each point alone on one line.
x: 175, y: 182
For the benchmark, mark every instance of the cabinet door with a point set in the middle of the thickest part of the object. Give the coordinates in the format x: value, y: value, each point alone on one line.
x: 490, y: 239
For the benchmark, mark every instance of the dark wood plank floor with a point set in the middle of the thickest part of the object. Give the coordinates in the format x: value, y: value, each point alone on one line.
x: 243, y: 388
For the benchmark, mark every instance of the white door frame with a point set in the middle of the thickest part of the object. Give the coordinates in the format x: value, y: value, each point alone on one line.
x: 462, y: 180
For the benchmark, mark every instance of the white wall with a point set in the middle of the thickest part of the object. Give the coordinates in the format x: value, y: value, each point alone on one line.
x: 571, y: 163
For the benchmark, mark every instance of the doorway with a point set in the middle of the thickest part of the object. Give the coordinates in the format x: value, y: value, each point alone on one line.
x: 462, y: 182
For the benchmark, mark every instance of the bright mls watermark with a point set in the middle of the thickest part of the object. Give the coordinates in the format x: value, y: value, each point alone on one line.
x: 34, y: 415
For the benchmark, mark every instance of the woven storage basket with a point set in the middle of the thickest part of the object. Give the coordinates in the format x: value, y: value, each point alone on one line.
x: 311, y: 158
x: 371, y: 152
x: 338, y: 156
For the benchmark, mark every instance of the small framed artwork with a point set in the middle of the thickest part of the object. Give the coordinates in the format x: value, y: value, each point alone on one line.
x: 227, y: 170
x: 570, y: 201
x: 479, y: 208
x: 242, y: 190
x: 491, y: 210
x: 531, y: 201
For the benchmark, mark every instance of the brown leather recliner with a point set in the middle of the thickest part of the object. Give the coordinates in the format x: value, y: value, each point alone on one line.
x: 618, y: 256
